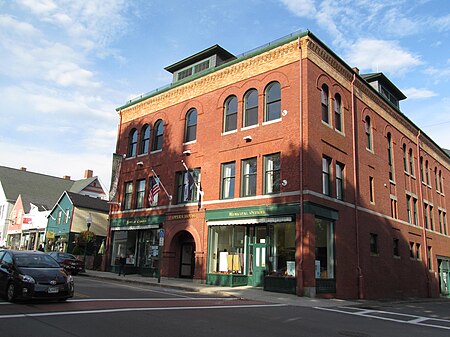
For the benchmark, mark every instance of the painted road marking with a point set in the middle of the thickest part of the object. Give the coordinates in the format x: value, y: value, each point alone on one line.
x: 393, y: 317
x: 105, y: 311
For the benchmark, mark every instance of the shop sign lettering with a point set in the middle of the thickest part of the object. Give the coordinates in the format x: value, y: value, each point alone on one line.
x: 247, y: 213
x: 182, y: 216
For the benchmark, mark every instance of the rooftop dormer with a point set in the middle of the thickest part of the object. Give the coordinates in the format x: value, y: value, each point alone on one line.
x: 206, y: 59
x: 385, y: 87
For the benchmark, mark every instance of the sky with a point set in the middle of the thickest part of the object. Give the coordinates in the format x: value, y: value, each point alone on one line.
x: 66, y: 65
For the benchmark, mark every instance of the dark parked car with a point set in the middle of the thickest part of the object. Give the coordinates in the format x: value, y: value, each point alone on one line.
x: 33, y: 275
x: 68, y: 261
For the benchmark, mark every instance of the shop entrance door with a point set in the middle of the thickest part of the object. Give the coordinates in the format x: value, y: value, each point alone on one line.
x: 187, y: 260
x: 259, y: 264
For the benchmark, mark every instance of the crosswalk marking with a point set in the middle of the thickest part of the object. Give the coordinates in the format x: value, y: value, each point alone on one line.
x: 401, y: 318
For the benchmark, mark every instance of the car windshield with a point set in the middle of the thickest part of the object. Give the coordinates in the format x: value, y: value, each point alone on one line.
x: 35, y: 261
x: 66, y: 256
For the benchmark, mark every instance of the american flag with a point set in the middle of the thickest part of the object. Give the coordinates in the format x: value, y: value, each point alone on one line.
x: 153, y: 191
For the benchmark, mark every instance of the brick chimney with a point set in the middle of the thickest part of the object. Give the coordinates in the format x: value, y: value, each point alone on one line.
x: 88, y: 174
x: 356, y: 70
x: 23, y: 168
x: 66, y: 177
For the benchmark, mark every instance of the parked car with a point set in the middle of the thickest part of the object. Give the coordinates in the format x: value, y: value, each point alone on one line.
x: 33, y: 275
x: 68, y: 261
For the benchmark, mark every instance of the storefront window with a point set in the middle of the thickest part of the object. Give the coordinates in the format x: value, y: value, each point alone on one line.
x: 324, y: 249
x: 124, y: 244
x: 227, y: 249
x: 282, y: 249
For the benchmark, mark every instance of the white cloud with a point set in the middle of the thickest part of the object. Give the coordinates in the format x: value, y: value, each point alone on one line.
x: 303, y: 8
x: 381, y: 55
x: 39, y: 7
x: 13, y: 26
x: 37, y: 159
x: 419, y: 93
x: 438, y: 74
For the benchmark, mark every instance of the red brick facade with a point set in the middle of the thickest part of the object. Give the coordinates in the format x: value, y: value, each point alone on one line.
x: 301, y: 66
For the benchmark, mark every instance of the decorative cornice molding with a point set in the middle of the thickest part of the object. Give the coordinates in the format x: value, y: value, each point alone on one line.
x: 245, y: 69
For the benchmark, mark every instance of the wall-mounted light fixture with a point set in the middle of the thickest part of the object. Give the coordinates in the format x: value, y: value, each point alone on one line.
x: 284, y: 182
x: 248, y: 138
x: 284, y: 113
x: 187, y: 152
x: 140, y: 163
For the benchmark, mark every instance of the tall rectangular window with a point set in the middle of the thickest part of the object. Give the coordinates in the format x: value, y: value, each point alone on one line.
x: 58, y: 221
x: 396, y: 247
x: 418, y: 252
x: 272, y: 173
x: 249, y: 177
x: 411, y: 162
x: 187, y: 185
x: 128, y: 195
x: 411, y: 250
x: 431, y: 218
x: 326, y: 174
x: 67, y: 216
x: 408, y: 208
x: 444, y: 222
x: 368, y: 130
x: 373, y: 244
x: 228, y: 180
x: 140, y: 194
x: 416, y: 218
x: 340, y: 181
x: 430, y: 258
x: 425, y: 215
x: 441, y: 230
x: 324, y: 252
x: 390, y: 158
x: 394, y: 207
x: 371, y: 190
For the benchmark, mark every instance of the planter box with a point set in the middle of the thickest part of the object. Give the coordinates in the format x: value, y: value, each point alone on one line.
x: 226, y: 280
x: 287, y: 285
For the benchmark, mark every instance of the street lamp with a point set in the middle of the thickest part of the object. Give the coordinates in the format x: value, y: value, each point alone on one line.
x: 88, y: 225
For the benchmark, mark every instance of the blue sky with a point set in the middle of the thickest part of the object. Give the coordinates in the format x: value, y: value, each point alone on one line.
x: 65, y: 65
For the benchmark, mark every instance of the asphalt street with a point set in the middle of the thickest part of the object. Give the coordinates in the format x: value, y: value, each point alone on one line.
x: 113, y: 308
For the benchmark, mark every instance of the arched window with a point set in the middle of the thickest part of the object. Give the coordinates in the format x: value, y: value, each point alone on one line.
x: 436, y: 179
x: 191, y: 126
x: 368, y: 129
x: 427, y: 173
x: 250, y: 108
x: 411, y: 162
x: 158, y: 136
x: 325, y: 104
x: 132, y: 143
x: 390, y: 158
x: 273, y: 102
x: 405, y: 158
x: 230, y: 114
x: 145, y: 140
x: 422, y: 175
x: 337, y: 112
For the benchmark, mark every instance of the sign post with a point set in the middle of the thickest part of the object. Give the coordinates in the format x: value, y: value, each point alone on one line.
x: 161, y: 244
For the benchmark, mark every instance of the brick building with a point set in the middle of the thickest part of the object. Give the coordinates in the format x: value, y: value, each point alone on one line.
x: 283, y: 168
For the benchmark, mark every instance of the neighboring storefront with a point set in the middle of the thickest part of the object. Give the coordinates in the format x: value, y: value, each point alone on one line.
x: 138, y: 240
x: 253, y: 246
x: 444, y: 275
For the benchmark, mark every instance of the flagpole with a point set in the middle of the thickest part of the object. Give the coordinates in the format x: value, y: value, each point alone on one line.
x: 162, y: 185
x: 187, y: 170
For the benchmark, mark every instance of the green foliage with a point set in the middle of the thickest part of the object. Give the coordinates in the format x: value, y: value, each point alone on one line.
x: 88, y: 236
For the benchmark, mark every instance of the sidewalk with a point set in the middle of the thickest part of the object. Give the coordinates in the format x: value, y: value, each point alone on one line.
x: 247, y: 292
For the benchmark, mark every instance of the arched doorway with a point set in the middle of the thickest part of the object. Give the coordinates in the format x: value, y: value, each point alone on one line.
x: 186, y: 245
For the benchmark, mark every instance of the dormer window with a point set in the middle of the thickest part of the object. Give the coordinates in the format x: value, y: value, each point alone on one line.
x: 206, y: 59
x: 193, y: 69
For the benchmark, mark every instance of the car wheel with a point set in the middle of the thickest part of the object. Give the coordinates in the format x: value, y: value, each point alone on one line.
x: 11, y: 292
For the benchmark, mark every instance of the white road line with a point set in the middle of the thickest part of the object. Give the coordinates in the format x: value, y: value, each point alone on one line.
x: 103, y: 311
x: 415, y: 320
x: 153, y: 299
